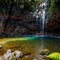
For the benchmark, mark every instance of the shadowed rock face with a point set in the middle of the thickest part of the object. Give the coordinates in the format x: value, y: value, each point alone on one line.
x: 26, y: 24
x: 18, y: 25
x: 53, y: 25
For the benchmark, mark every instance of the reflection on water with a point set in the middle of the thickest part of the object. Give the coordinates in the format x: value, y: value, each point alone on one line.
x: 51, y: 43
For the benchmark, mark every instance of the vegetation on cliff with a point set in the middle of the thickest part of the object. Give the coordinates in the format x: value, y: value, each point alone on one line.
x: 53, y: 15
x: 17, y: 5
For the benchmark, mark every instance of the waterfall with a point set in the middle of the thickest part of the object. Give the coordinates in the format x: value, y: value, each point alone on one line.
x: 43, y: 14
x: 40, y: 12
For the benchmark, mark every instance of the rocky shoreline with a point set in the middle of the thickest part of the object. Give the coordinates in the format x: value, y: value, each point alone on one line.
x: 28, y: 50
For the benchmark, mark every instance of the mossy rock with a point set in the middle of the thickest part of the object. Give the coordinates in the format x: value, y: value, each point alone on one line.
x: 54, y: 56
x: 44, y: 52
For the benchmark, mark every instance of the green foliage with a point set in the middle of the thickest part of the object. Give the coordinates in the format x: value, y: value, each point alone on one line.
x: 4, y: 11
x: 23, y: 4
x: 28, y: 4
x: 52, y: 8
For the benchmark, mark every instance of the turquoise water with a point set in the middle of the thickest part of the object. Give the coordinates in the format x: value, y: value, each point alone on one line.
x: 40, y: 42
x: 51, y: 43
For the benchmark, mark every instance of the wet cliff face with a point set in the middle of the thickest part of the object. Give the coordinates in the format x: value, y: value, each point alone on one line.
x: 18, y: 25
x: 53, y: 25
x: 17, y: 21
x: 15, y: 18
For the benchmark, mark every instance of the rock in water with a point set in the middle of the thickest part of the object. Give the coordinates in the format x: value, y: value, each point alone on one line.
x: 7, y: 54
x: 9, y: 51
x: 44, y: 52
x: 18, y: 54
x: 15, y: 55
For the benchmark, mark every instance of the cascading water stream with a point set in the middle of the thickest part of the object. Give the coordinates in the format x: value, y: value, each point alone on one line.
x: 43, y: 14
x: 43, y: 18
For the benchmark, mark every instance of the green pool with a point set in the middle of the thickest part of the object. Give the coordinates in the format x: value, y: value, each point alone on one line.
x: 51, y: 43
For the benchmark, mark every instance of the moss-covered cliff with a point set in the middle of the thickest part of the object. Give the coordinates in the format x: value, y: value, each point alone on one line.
x: 53, y: 15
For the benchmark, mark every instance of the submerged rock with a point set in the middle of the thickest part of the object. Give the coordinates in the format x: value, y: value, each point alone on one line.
x: 44, y: 52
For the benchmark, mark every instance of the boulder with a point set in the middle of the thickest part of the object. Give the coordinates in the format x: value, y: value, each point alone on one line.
x: 9, y: 55
x: 18, y: 54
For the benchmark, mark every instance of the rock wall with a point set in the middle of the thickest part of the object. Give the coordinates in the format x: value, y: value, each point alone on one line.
x: 18, y: 25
